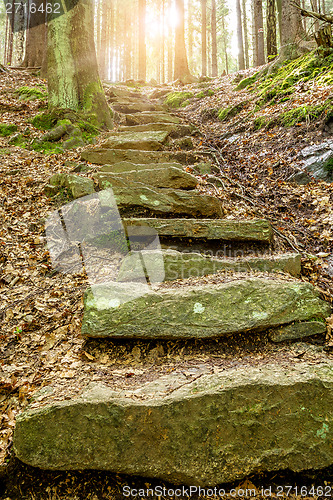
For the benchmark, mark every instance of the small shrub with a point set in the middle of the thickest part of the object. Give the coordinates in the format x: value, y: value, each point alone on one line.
x: 7, y: 129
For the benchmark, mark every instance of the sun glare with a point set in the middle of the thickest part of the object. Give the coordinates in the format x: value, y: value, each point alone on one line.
x: 155, y: 25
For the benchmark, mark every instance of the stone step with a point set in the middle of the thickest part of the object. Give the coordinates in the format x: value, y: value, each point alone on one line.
x: 144, y: 141
x: 200, y: 311
x: 220, y: 229
x: 102, y: 156
x: 174, y: 130
x: 126, y: 107
x: 217, y: 428
x: 179, y: 265
x: 162, y: 201
x: 151, y: 117
x: 165, y: 177
x: 118, y: 92
x: 126, y: 166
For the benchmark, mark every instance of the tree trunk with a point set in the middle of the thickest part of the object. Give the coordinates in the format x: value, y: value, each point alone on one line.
x: 190, y: 37
x: 291, y: 30
x: 103, y: 63
x: 271, y: 30
x: 225, y: 46
x: 73, y: 80
x: 204, y: 37
x: 245, y: 36
x: 241, y: 62
x: 181, y: 65
x: 35, y: 46
x: 170, y: 47
x: 258, y: 33
x: 142, y: 40
x: 214, y: 40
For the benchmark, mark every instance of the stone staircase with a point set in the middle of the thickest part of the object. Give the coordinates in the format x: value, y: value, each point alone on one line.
x: 189, y: 274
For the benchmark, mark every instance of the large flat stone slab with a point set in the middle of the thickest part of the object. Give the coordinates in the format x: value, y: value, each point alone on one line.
x: 126, y: 166
x: 162, y: 201
x: 219, y: 428
x: 127, y: 107
x: 200, y: 311
x: 179, y: 265
x: 167, y: 177
x: 145, y: 141
x: 103, y: 156
x: 221, y: 229
x: 174, y: 130
x: 148, y: 117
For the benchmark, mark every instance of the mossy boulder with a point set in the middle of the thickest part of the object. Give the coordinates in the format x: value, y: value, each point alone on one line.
x: 78, y: 186
x: 177, y: 99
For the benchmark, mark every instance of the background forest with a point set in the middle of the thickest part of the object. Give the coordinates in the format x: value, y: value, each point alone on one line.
x: 221, y: 36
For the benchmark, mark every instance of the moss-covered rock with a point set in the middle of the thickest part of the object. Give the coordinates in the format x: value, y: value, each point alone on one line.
x: 178, y: 265
x: 77, y: 186
x: 219, y: 428
x: 200, y: 311
x: 177, y: 99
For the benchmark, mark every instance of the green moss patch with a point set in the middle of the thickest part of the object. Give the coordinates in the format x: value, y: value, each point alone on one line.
x: 178, y: 99
x: 7, y: 129
x: 30, y: 93
x: 231, y: 111
x: 246, y: 82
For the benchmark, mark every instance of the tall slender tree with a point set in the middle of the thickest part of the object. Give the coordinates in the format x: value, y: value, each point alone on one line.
x: 258, y: 33
x: 142, y: 40
x: 271, y: 29
x: 181, y: 68
x: 245, y: 35
x: 241, y: 61
x: 204, y: 37
x: 214, y: 40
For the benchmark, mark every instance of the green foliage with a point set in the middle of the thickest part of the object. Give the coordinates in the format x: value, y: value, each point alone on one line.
x: 328, y: 166
x: 43, y: 121
x: 306, y: 113
x: 30, y: 93
x: 260, y: 122
x: 204, y: 93
x: 177, y: 99
x: 246, y: 82
x: 7, y: 129
x: 47, y: 147
x: 230, y: 112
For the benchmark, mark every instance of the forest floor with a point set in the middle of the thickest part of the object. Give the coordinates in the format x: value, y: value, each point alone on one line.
x: 41, y: 310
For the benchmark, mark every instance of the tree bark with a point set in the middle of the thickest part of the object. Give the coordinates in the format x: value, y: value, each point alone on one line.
x: 271, y: 30
x: 258, y: 33
x: 245, y: 36
x: 214, y: 40
x: 204, y: 37
x: 170, y: 46
x: 291, y: 29
x: 73, y: 80
x: 181, y: 65
x: 142, y: 40
x: 241, y: 61
x: 35, y: 46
